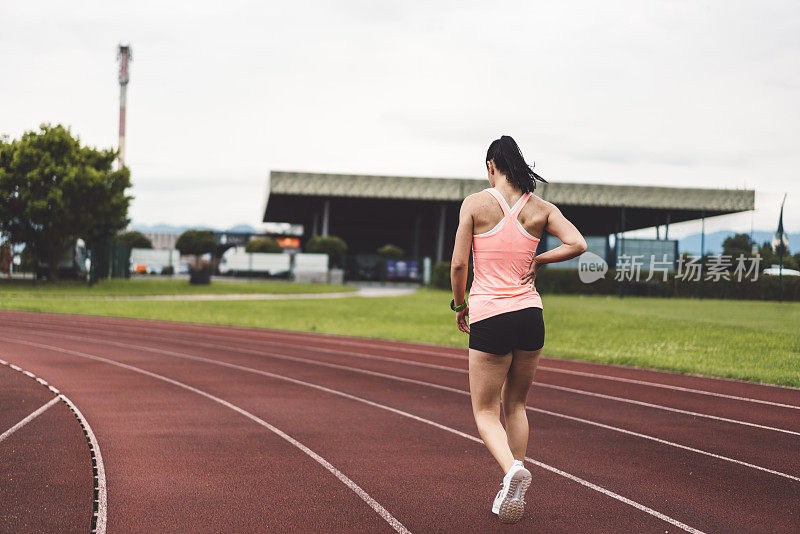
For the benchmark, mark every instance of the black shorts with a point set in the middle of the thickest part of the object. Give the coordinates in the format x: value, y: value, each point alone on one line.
x: 521, y: 329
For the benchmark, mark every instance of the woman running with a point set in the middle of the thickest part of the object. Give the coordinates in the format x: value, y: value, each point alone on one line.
x: 502, y: 226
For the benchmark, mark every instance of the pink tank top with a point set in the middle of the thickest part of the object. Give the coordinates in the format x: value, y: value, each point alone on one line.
x: 500, y: 257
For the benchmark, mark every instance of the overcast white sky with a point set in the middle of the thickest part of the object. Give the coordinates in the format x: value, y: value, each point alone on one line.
x: 703, y: 94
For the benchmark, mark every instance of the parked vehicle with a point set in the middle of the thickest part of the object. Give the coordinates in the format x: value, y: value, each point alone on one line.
x: 74, y: 263
x: 775, y: 270
x: 237, y: 262
x: 310, y: 267
x: 310, y: 263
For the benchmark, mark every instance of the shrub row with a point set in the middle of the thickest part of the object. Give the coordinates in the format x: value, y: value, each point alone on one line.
x: 440, y: 275
x: 566, y: 281
x: 763, y: 288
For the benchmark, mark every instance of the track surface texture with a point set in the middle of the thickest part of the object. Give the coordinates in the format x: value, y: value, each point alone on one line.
x: 222, y: 429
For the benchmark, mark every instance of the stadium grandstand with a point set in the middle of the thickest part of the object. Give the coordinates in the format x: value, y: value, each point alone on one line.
x: 420, y: 215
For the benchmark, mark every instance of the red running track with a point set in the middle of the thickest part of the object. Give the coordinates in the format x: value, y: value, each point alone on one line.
x: 209, y: 428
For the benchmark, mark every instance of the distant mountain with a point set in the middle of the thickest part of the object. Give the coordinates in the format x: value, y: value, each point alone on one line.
x: 158, y: 228
x: 242, y: 228
x: 691, y: 242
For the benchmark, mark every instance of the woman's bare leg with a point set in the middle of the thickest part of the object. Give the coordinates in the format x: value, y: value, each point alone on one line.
x: 515, y: 395
x: 487, y: 373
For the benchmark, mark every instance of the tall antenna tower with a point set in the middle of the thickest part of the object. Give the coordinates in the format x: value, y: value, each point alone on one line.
x: 124, y: 56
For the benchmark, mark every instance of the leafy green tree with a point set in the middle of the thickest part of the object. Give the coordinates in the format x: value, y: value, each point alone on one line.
x: 53, y: 191
x: 391, y: 252
x: 195, y: 243
x: 789, y: 261
x: 265, y: 244
x: 134, y: 239
x: 6, y: 257
x: 334, y: 247
x: 738, y: 244
x: 768, y: 257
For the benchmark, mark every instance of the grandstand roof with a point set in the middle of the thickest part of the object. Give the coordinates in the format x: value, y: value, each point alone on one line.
x: 713, y: 201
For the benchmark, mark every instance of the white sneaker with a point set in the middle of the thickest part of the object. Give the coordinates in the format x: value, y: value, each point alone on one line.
x: 509, y: 504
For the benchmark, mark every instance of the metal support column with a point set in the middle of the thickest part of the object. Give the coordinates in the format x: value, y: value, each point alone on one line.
x: 702, y: 248
x: 440, y: 233
x: 666, y: 228
x: 417, y: 225
x: 326, y: 213
x: 620, y: 245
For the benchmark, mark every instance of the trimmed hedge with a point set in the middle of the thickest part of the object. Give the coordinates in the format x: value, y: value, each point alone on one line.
x: 196, y: 242
x: 263, y: 244
x: 440, y: 275
x: 391, y: 252
x: 333, y: 246
x: 566, y: 281
x: 134, y: 239
x: 764, y: 288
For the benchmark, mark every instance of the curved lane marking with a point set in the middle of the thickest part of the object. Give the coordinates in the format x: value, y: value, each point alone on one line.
x: 569, y: 476
x: 100, y: 501
x: 537, y: 384
x: 668, y: 386
x: 381, y: 511
x: 446, y: 388
x: 366, y: 343
x: 99, y: 468
x: 436, y: 386
x: 449, y: 369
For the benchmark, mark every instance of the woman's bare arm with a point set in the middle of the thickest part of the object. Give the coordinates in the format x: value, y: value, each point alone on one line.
x: 573, y: 243
x: 459, y: 264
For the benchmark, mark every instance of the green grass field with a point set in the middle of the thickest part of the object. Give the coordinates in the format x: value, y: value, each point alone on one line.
x: 749, y: 340
x: 146, y: 286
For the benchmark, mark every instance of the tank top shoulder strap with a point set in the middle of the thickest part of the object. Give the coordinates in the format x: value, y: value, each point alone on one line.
x: 500, y: 200
x: 520, y: 204
x: 507, y: 210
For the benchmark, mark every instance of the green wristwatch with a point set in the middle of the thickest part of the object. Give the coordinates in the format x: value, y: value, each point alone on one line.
x: 460, y: 306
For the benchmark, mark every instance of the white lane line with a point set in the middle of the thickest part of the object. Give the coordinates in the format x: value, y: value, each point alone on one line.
x: 433, y: 351
x: 543, y: 367
x: 666, y: 408
x: 455, y: 390
x: 431, y: 385
x: 461, y: 371
x: 668, y: 386
x: 578, y: 391
x: 101, y: 501
x: 536, y: 384
x: 36, y: 413
x: 604, y: 491
x: 394, y: 523
x: 546, y: 368
x: 355, y: 398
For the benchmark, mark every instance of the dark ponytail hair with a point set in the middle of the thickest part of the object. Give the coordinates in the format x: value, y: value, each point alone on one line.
x: 508, y: 159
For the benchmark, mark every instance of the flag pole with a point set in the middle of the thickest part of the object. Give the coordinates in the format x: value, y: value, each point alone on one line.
x: 782, y: 244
